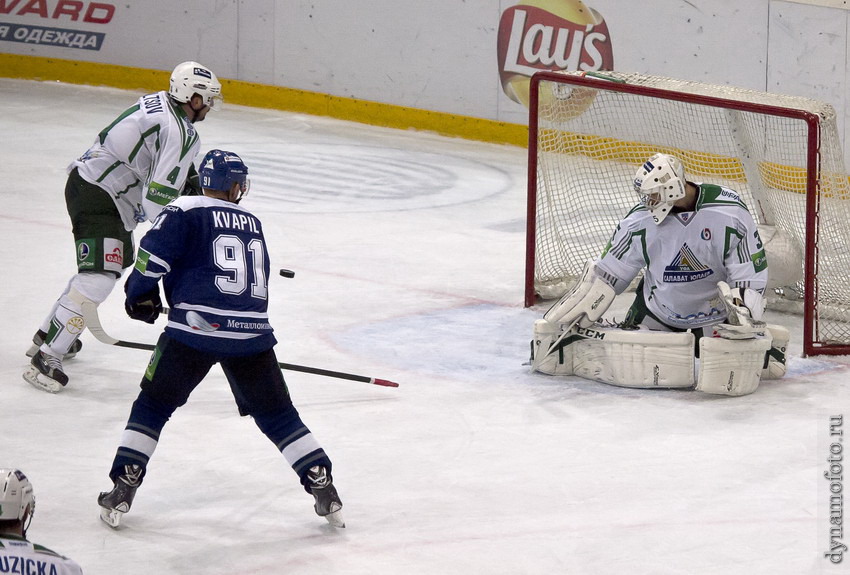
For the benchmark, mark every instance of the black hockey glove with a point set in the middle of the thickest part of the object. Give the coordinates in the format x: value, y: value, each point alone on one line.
x: 147, y: 308
x: 192, y: 187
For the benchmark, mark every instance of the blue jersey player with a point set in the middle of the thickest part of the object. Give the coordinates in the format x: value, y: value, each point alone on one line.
x: 212, y: 259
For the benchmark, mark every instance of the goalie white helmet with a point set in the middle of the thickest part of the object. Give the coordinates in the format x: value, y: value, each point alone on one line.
x: 16, y: 497
x: 660, y: 182
x: 190, y: 78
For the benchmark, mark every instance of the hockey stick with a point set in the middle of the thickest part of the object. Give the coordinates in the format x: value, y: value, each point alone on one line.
x: 92, y: 319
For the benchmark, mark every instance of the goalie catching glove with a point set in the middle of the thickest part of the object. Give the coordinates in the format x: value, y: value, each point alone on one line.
x: 744, y: 310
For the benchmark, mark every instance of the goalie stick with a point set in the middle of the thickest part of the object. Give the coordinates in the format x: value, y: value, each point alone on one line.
x: 92, y: 319
x: 539, y: 357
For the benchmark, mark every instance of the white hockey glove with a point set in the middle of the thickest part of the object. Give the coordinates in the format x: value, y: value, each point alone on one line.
x: 744, y: 308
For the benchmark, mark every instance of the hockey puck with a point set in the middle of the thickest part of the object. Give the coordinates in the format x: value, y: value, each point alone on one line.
x: 287, y: 273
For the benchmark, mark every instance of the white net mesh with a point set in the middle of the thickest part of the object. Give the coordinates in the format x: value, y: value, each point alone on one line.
x: 591, y: 140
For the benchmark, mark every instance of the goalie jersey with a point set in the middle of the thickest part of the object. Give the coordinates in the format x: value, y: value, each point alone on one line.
x: 686, y: 255
x: 214, y: 265
x: 143, y: 158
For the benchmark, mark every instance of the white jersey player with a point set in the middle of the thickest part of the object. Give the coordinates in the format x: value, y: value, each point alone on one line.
x: 136, y: 166
x: 700, y: 235
x: 17, y: 554
x: 142, y: 159
x: 705, y: 272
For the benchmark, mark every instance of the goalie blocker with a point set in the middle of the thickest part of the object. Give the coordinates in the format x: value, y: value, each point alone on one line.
x: 650, y: 359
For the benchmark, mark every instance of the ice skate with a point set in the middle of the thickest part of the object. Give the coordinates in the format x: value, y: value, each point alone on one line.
x: 39, y: 338
x: 328, y: 504
x: 45, y: 373
x: 114, y: 504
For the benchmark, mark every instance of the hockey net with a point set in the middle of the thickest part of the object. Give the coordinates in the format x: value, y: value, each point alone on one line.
x: 588, y: 134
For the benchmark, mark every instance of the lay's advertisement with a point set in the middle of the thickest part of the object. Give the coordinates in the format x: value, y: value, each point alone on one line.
x: 549, y: 35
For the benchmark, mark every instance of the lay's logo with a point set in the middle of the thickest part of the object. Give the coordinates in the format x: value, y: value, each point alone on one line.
x: 549, y: 35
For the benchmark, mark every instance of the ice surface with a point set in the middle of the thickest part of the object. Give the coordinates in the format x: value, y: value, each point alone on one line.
x: 408, y: 250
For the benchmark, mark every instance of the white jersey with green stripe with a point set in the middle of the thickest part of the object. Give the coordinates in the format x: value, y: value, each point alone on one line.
x: 685, y: 256
x: 19, y: 556
x: 142, y: 159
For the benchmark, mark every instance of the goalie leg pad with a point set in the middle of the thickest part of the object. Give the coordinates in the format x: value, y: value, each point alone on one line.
x: 560, y: 360
x: 731, y: 366
x: 635, y: 358
x: 774, y: 360
x: 627, y: 358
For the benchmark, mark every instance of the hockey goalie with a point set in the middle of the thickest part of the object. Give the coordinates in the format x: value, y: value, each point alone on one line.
x: 696, y: 319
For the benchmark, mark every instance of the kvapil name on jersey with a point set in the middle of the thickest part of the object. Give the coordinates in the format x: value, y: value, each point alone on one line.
x: 534, y: 45
x: 235, y: 221
x: 74, y: 10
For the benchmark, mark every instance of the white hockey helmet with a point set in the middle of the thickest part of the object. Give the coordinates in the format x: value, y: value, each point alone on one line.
x: 16, y: 496
x: 190, y: 78
x: 660, y: 182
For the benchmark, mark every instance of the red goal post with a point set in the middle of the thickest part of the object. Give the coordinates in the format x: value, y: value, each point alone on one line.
x: 589, y: 132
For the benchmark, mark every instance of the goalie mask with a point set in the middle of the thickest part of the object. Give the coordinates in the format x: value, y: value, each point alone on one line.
x: 17, y: 502
x: 660, y: 183
x: 220, y: 170
x: 190, y: 78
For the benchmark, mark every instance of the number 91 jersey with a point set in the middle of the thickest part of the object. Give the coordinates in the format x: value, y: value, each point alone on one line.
x: 213, y: 260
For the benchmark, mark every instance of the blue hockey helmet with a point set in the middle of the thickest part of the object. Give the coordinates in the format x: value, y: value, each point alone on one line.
x: 221, y: 169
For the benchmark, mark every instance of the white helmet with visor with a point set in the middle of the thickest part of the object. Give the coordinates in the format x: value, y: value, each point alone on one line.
x: 190, y: 78
x: 660, y: 183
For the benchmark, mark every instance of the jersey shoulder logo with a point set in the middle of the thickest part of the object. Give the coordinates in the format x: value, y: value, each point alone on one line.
x: 686, y: 267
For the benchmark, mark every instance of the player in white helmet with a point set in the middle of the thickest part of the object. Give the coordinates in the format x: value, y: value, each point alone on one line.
x: 704, y: 273
x: 189, y: 79
x: 137, y: 165
x: 17, y: 553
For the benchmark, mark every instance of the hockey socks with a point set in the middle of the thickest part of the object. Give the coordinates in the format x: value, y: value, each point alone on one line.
x: 141, y: 435
x: 297, y: 444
